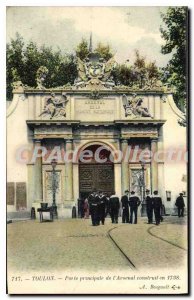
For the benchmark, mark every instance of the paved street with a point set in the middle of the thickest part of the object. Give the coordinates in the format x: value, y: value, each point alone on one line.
x: 74, y: 243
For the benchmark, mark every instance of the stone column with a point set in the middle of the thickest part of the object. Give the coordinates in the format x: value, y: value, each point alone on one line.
x: 117, y: 180
x: 154, y: 165
x: 124, y: 167
x: 69, y: 173
x: 38, y: 188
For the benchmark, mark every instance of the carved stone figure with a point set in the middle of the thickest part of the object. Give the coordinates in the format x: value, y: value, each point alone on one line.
x: 18, y: 87
x: 55, y: 107
x: 41, y: 76
x: 133, y: 106
x: 94, y: 72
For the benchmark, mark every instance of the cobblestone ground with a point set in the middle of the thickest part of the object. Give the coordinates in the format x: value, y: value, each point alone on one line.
x: 153, y: 247
x: 75, y: 244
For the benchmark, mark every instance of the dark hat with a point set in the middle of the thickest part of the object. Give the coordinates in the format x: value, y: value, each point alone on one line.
x: 132, y: 192
x: 126, y: 191
x: 155, y: 192
x: 147, y: 190
x: 181, y: 194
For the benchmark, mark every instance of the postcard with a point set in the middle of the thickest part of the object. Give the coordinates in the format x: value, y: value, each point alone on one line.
x: 97, y: 158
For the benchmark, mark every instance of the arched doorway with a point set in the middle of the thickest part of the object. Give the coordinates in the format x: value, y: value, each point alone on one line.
x: 96, y: 173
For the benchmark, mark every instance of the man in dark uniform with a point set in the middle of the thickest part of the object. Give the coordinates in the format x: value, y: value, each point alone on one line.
x: 157, y: 205
x: 114, y: 206
x: 107, y: 210
x: 102, y: 207
x: 125, y: 207
x: 93, y: 204
x: 149, y: 206
x: 98, y: 212
x: 180, y: 205
x: 134, y: 202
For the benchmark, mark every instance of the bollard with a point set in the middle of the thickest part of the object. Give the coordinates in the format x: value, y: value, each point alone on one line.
x: 33, y: 213
x: 73, y: 212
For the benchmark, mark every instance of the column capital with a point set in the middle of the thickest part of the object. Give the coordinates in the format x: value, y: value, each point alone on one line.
x: 68, y: 141
x: 38, y: 141
x: 154, y: 140
x: 124, y: 141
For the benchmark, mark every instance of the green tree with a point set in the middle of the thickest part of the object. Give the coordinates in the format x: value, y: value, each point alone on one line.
x: 140, y: 73
x: 104, y: 51
x: 174, y: 32
x: 124, y: 75
x: 14, y: 63
x: 82, y: 49
x: 153, y: 73
x: 31, y: 63
x: 140, y: 68
x: 23, y: 61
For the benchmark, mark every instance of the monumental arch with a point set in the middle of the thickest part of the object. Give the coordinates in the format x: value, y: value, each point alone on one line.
x: 92, y: 113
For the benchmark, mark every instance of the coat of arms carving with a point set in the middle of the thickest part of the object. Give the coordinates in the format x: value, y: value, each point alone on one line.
x: 94, y: 72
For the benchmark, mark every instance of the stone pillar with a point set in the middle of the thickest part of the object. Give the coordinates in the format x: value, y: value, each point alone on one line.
x: 154, y: 165
x: 69, y: 173
x: 117, y: 180
x: 38, y: 188
x: 124, y: 167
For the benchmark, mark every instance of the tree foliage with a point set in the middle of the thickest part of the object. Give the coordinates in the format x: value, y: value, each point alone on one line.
x: 103, y: 50
x: 174, y: 32
x: 82, y: 49
x: 138, y: 74
x: 23, y: 62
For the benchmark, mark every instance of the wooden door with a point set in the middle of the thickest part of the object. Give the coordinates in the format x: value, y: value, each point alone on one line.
x: 96, y: 176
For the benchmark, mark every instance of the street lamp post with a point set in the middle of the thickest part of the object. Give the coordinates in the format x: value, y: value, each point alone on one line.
x: 54, y: 187
x: 143, y: 186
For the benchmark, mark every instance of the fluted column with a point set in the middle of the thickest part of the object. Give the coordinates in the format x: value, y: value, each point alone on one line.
x: 154, y: 164
x: 38, y: 188
x: 69, y: 173
x: 124, y: 167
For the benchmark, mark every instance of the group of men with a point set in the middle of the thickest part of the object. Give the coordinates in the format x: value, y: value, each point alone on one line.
x: 100, y: 205
x: 153, y: 204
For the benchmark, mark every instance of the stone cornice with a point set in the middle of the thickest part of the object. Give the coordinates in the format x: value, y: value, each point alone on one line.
x: 96, y: 123
x: 101, y: 92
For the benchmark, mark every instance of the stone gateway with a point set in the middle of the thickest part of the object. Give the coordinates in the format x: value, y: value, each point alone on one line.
x: 92, y: 119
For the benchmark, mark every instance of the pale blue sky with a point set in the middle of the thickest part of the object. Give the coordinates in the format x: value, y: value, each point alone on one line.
x: 124, y: 28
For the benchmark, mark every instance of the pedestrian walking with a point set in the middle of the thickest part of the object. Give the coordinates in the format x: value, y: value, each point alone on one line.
x: 180, y: 204
x: 149, y: 206
x: 125, y: 207
x: 157, y: 205
x: 102, y: 207
x: 134, y: 202
x: 114, y: 206
x: 93, y: 205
